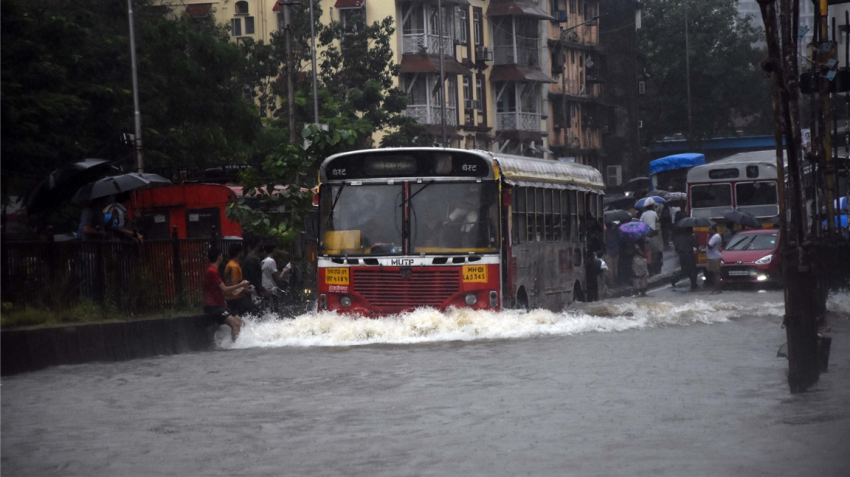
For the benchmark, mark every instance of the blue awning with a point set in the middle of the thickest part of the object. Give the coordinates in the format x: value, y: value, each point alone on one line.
x: 676, y: 161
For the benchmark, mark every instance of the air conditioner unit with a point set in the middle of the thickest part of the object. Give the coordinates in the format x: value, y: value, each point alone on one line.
x: 482, y: 53
x: 615, y: 175
x: 472, y: 104
x: 562, y: 15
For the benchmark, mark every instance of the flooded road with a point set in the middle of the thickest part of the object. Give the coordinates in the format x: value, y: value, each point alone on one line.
x: 678, y: 384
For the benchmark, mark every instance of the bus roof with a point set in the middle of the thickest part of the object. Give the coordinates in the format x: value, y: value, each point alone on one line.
x: 766, y: 167
x: 676, y: 161
x: 768, y: 156
x: 516, y: 170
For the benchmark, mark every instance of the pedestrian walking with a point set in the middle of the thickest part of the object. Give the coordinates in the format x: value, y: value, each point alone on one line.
x: 640, y: 269
x: 240, y: 300
x: 214, y: 290
x: 666, y: 221
x: 685, y: 243
x: 271, y: 276
x: 252, y: 268
x: 655, y: 243
x: 712, y: 252
x: 612, y: 253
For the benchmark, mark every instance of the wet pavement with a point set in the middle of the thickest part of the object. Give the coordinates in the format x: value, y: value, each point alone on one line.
x: 679, y: 384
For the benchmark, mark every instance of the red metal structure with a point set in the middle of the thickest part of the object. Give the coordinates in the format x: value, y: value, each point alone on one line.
x: 196, y: 210
x: 425, y: 227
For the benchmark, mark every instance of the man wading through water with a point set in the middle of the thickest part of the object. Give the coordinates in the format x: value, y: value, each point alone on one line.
x: 214, y: 290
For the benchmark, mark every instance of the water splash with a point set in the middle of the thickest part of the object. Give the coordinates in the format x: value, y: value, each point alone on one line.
x: 839, y: 302
x: 426, y: 325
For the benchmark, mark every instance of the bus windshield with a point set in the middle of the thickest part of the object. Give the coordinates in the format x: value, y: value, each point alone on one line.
x: 361, y: 219
x: 454, y: 217
x: 711, y: 195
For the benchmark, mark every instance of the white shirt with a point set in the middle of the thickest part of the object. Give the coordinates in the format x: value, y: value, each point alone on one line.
x: 649, y: 218
x: 712, y: 252
x: 269, y: 267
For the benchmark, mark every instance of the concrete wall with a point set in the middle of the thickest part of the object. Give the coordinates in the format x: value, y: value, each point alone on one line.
x: 32, y: 349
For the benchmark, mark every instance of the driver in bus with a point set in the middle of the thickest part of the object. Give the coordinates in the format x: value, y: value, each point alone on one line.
x: 466, y: 212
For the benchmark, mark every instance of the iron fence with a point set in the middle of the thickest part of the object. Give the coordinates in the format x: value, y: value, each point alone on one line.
x: 132, y: 278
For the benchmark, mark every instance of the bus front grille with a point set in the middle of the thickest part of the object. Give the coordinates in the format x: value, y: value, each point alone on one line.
x: 429, y: 286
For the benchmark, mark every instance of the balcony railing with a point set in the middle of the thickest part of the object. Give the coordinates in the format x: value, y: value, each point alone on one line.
x: 424, y: 114
x: 430, y: 44
x: 527, y: 52
x: 518, y: 121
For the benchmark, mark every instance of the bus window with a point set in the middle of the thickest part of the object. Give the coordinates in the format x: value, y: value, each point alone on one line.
x: 538, y: 215
x: 711, y: 195
x: 547, y: 210
x: 518, y: 205
x: 570, y: 215
x: 757, y: 198
x: 203, y: 223
x: 454, y: 217
x: 363, y: 219
x: 556, y: 215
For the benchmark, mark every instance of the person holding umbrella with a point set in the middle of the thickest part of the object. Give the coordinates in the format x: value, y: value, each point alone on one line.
x: 94, y: 226
x: 685, y: 243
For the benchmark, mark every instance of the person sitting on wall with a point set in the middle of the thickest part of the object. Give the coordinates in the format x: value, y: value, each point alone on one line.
x: 215, y: 289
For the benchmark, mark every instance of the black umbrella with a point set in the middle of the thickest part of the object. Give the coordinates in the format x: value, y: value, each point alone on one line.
x: 617, y: 216
x: 62, y: 183
x: 118, y: 184
x: 694, y: 222
x: 742, y: 218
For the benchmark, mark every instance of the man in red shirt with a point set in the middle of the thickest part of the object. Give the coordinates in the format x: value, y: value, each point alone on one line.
x: 214, y: 290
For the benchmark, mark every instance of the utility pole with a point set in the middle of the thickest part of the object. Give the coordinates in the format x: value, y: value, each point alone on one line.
x: 290, y: 87
x: 315, y: 73
x: 442, y: 71
x: 688, y: 77
x: 137, y: 115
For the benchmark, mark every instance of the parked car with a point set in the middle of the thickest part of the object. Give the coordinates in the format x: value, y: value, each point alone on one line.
x: 752, y: 256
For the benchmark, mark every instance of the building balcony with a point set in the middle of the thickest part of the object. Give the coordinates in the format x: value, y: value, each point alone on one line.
x: 418, y: 43
x: 516, y: 121
x: 430, y: 115
x: 526, y: 52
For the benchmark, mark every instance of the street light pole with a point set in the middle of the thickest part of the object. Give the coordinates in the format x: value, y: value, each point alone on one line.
x: 315, y: 81
x: 137, y: 115
x: 688, y: 77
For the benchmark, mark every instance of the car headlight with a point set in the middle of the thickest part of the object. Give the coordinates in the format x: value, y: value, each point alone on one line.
x: 764, y: 260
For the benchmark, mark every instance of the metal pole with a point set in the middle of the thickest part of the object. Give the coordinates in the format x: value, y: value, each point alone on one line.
x: 315, y: 81
x: 688, y: 76
x: 290, y: 94
x: 137, y: 116
x: 442, y: 71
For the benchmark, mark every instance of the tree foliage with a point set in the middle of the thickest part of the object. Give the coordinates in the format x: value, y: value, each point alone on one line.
x: 67, y: 86
x: 728, y: 89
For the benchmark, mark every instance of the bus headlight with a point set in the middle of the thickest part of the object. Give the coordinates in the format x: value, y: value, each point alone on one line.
x: 764, y: 260
x: 471, y: 299
x: 345, y: 301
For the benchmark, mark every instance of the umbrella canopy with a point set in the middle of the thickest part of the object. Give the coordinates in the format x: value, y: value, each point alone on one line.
x: 618, y: 202
x: 61, y: 184
x: 633, y: 231
x: 118, y: 184
x: 672, y: 196
x: 694, y: 222
x: 641, y: 203
x: 617, y: 216
x: 742, y: 218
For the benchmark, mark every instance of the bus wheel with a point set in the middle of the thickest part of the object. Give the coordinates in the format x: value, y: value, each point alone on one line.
x: 522, y: 300
x: 578, y: 294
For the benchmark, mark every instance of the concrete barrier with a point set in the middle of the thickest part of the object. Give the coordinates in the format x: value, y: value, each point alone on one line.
x: 31, y: 349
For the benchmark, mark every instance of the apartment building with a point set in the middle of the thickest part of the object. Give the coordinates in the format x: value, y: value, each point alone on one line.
x: 520, y: 76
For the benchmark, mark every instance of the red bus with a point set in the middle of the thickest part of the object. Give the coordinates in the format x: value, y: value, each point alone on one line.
x: 197, y: 210
x: 406, y: 228
x: 747, y: 181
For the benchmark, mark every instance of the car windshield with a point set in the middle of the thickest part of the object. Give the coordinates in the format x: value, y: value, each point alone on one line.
x: 454, y: 217
x: 752, y: 242
x: 361, y: 219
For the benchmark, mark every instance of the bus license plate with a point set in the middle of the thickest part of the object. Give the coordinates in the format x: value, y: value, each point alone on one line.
x: 738, y: 273
x: 336, y: 276
x: 475, y: 273
x: 702, y: 258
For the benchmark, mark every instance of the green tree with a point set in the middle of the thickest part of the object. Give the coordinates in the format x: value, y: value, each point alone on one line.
x: 728, y: 89
x: 67, y: 95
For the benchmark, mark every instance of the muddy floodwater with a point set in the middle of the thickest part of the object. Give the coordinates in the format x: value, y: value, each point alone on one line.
x: 680, y: 384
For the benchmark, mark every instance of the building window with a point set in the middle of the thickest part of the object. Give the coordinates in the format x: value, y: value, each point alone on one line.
x: 349, y: 17
x: 236, y: 27
x: 463, y: 17
x: 467, y: 96
x: 249, y: 25
x: 476, y: 27
x: 479, y: 92
x: 241, y: 8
